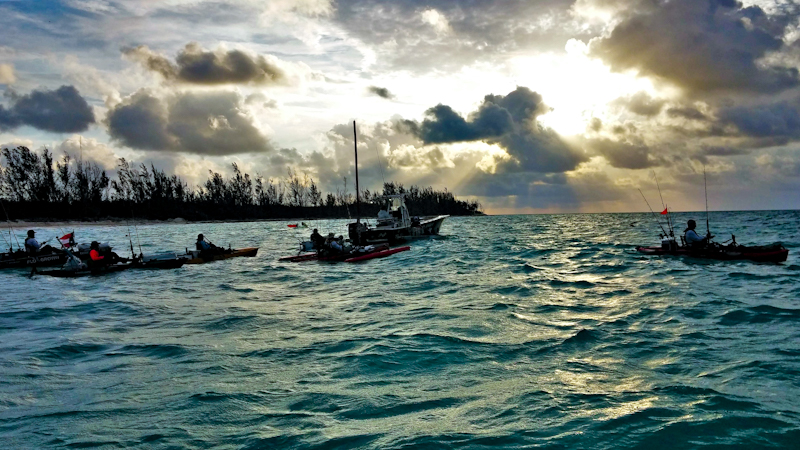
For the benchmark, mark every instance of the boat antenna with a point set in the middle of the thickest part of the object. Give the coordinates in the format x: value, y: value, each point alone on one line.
x: 669, y: 221
x: 705, y: 188
x: 345, y: 198
x: 653, y: 213
x: 10, y: 228
x: 355, y: 142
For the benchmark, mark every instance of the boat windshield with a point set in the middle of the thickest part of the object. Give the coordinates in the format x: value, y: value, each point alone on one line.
x: 394, y: 204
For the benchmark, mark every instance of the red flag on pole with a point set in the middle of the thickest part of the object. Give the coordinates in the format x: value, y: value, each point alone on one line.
x: 664, y: 211
x: 67, y: 239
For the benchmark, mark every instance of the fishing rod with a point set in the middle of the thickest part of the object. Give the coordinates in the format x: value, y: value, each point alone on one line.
x: 358, y: 196
x: 138, y: 241
x: 130, y: 239
x: 705, y: 187
x: 10, y: 228
x: 10, y: 247
x: 653, y: 213
x: 669, y: 219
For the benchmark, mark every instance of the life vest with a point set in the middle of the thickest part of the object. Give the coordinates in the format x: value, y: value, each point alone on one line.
x: 95, y: 255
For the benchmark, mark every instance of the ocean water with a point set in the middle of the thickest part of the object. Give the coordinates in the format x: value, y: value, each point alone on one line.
x: 544, y: 331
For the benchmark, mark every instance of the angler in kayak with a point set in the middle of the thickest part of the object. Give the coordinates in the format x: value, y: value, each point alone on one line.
x: 33, y: 246
x: 317, y: 239
x: 96, y: 260
x: 206, y: 248
x: 692, y: 238
x: 337, y: 244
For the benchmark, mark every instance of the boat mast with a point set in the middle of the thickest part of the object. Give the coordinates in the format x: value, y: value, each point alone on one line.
x: 355, y: 143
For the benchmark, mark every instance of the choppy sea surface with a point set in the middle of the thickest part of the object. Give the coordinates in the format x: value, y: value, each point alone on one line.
x: 545, y: 331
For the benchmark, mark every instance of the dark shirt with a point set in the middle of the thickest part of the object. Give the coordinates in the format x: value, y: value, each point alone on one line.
x: 317, y: 239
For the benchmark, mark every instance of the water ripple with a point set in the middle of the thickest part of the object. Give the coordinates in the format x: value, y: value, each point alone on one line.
x: 510, y: 332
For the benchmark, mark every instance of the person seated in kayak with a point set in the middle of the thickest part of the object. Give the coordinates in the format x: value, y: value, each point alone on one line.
x: 317, y: 239
x: 33, y: 246
x: 95, y: 258
x: 205, y: 247
x: 334, y: 244
x: 692, y: 238
x: 344, y: 245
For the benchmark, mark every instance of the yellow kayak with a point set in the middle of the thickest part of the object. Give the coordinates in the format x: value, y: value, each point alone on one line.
x: 195, y: 257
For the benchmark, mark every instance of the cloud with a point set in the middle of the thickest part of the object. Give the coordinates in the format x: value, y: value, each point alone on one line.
x: 88, y: 149
x: 640, y: 103
x: 7, y: 74
x: 195, y: 65
x: 311, y: 8
x: 701, y: 45
x: 59, y: 111
x: 687, y: 112
x: 205, y: 123
x: 779, y: 120
x: 509, y: 121
x: 437, y: 20
x: 415, y: 35
x: 381, y: 92
x: 622, y: 154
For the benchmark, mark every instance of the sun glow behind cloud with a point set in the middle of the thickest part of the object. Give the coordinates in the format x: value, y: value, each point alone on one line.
x: 576, y: 86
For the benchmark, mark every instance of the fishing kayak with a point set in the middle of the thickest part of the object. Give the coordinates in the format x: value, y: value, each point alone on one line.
x: 198, y: 257
x: 71, y: 273
x: 381, y: 254
x: 173, y: 263
x: 155, y: 263
x: 358, y: 252
x: 762, y: 253
x: 20, y: 258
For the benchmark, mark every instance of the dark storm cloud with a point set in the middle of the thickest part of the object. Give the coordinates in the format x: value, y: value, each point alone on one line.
x: 508, y: 121
x: 640, y: 103
x: 687, y: 112
x: 701, y: 45
x: 722, y: 151
x: 140, y: 122
x: 210, y: 123
x: 465, y: 32
x: 198, y: 66
x: 625, y: 155
x: 8, y: 120
x: 779, y: 120
x: 59, y: 111
x: 380, y: 92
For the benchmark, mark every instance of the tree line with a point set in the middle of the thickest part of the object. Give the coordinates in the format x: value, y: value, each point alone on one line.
x: 34, y: 186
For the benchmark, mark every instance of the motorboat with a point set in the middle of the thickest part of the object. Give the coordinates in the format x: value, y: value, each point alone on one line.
x: 394, y: 224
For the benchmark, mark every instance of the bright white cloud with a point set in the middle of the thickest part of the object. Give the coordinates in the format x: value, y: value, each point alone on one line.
x: 7, y: 74
x: 437, y: 20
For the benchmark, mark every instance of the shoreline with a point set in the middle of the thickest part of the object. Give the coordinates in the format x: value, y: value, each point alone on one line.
x: 117, y: 221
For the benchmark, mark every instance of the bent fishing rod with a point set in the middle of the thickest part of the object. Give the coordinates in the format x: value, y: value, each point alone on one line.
x: 653, y: 213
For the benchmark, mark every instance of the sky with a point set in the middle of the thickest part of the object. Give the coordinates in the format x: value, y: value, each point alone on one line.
x: 531, y: 106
